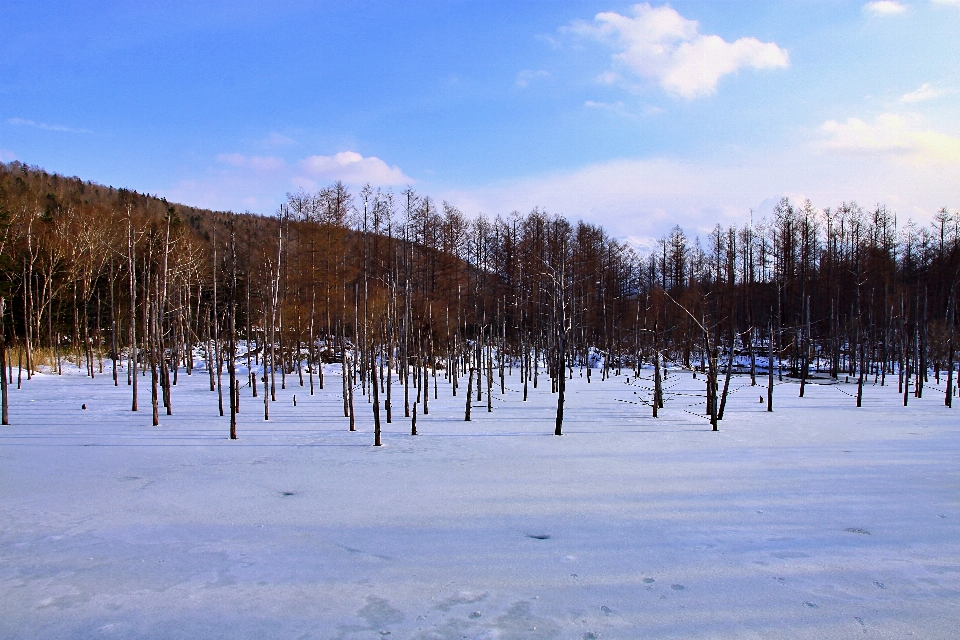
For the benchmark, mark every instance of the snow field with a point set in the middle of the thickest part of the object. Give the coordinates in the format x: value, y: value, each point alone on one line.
x: 819, y: 520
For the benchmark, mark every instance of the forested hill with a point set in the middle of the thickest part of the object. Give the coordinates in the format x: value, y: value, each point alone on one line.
x: 69, y: 245
x: 88, y: 269
x: 49, y: 196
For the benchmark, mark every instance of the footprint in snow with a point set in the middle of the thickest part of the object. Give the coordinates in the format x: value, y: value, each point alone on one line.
x: 606, y: 610
x: 677, y: 587
x: 879, y: 585
x: 649, y: 580
x: 857, y: 530
x: 811, y: 605
x: 538, y: 536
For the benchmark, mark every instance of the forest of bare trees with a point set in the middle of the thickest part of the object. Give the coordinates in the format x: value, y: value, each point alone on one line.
x: 403, y: 292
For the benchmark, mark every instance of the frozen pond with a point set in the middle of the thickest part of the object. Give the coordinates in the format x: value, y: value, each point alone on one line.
x: 820, y: 520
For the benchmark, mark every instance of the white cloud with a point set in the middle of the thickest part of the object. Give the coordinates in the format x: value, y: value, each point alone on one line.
x: 258, y: 183
x: 525, y: 77
x: 260, y: 164
x: 925, y: 92
x: 884, y: 8
x: 21, y: 122
x: 949, y: 3
x: 629, y: 197
x: 659, y: 44
x: 896, y: 136
x: 646, y: 197
x: 353, y: 168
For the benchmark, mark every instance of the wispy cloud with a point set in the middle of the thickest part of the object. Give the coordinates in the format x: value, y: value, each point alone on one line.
x: 884, y: 8
x: 525, y: 77
x: 21, y: 122
x: 949, y: 3
x: 659, y: 44
x: 621, y: 109
x: 258, y: 182
x: 892, y: 135
x: 277, y: 140
x: 257, y: 163
x: 924, y: 93
x: 7, y: 156
x: 627, y: 196
x: 616, y: 107
x: 647, y: 196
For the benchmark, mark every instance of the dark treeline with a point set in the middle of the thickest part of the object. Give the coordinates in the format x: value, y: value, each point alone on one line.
x: 402, y: 291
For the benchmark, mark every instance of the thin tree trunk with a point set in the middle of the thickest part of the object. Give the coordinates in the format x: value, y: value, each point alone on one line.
x: 948, y: 396
x: 656, y: 372
x: 770, y: 371
x: 561, y: 381
x: 232, y: 362
x: 311, y: 352
x: 805, y: 350
x: 4, y: 398
x: 345, y: 374
x: 425, y: 383
x: 266, y: 340
x: 466, y: 415
x: 726, y: 378
x: 132, y: 268
x: 353, y: 426
x: 113, y: 328
x: 152, y: 349
x: 375, y: 388
x: 388, y: 404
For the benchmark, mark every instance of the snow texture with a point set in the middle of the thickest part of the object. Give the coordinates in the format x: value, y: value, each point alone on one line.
x: 819, y: 520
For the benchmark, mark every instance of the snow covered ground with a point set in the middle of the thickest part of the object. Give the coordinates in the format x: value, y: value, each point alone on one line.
x: 820, y: 520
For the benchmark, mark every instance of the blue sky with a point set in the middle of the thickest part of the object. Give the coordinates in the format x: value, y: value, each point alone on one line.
x: 637, y: 116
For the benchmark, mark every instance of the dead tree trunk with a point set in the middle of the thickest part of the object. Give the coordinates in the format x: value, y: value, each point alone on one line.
x: 948, y: 397
x: 232, y: 355
x: 353, y: 425
x: 218, y: 356
x: 561, y: 383
x: 466, y: 415
x: 4, y: 399
x: 344, y: 374
x: 770, y: 370
x: 656, y: 372
x: 726, y: 378
x: 113, y: 327
x: 376, y: 398
x: 133, y: 355
x: 152, y: 350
